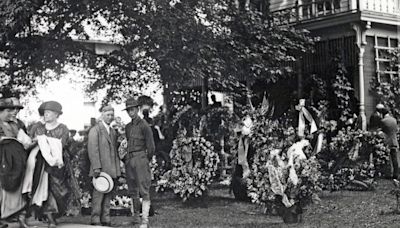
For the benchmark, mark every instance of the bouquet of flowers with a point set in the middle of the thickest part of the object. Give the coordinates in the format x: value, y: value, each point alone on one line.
x: 346, y: 160
x: 282, y: 178
x: 285, y: 173
x: 194, y: 164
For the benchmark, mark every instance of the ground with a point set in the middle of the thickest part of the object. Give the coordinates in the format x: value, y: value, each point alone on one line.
x: 338, y: 209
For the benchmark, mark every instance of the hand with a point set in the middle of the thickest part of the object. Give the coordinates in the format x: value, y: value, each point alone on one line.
x: 96, y: 173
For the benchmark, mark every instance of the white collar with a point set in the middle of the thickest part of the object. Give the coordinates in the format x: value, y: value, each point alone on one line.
x: 107, y: 126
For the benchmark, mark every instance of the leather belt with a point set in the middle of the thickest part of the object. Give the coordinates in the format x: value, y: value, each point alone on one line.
x: 133, y: 154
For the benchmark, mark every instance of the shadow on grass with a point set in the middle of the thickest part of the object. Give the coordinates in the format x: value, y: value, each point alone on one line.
x: 208, y: 201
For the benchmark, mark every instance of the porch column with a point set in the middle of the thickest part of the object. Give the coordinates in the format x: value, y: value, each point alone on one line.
x: 361, y: 84
x: 361, y: 43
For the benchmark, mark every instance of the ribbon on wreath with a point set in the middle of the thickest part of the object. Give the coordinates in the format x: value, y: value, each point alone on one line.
x: 304, y: 115
x: 243, y: 146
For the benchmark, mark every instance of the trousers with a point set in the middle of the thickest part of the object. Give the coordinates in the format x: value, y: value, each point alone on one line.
x: 394, y: 156
x: 101, y: 207
x: 138, y: 175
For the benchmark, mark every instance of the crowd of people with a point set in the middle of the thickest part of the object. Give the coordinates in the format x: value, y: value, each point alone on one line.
x: 36, y: 177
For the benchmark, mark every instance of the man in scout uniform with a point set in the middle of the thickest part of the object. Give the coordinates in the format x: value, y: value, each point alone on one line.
x: 102, y: 143
x: 140, y: 150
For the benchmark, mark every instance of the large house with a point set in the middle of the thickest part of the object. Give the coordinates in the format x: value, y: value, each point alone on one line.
x: 363, y: 30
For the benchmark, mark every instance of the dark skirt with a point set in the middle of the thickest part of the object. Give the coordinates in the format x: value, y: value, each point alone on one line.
x: 59, y: 188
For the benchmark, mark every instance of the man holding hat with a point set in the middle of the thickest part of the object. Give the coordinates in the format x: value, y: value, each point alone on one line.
x: 103, y: 156
x: 140, y: 150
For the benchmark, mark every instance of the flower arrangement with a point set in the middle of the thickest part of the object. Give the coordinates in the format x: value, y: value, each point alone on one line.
x: 194, y: 164
x: 284, y: 178
x: 121, y: 202
x: 285, y: 172
x: 346, y: 160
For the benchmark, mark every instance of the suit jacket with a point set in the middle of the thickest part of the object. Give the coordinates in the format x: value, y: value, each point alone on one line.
x: 390, y: 128
x: 102, y: 150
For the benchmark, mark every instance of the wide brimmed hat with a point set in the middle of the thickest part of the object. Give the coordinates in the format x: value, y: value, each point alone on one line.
x: 16, y: 103
x: 130, y: 103
x: 104, y: 183
x: 53, y: 106
x: 6, y: 103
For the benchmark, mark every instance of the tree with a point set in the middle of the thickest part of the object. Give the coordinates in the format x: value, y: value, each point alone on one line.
x: 175, y: 42
x: 209, y: 39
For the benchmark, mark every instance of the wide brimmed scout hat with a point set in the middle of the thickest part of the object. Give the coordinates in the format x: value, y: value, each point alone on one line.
x: 16, y: 103
x: 104, y: 183
x: 130, y: 103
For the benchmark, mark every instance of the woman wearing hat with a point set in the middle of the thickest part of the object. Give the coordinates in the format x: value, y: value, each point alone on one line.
x: 51, y: 169
x: 12, y: 202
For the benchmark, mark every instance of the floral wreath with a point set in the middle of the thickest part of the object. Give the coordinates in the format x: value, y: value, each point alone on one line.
x: 194, y: 164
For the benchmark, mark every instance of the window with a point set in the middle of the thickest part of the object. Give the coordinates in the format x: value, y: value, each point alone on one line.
x: 385, y: 71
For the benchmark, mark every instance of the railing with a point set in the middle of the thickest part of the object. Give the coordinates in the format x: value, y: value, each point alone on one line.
x: 382, y: 6
x: 303, y: 10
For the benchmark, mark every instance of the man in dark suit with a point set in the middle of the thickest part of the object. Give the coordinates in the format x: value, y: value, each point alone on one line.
x: 103, y: 156
x: 376, y: 117
x: 390, y: 128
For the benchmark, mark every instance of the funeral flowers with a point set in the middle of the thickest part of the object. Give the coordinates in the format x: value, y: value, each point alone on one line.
x: 194, y: 164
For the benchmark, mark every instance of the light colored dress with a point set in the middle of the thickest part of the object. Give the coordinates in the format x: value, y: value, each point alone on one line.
x: 58, y: 181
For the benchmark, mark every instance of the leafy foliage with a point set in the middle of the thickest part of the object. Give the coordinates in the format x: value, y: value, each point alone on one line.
x: 346, y: 159
x: 176, y: 42
x: 387, y: 91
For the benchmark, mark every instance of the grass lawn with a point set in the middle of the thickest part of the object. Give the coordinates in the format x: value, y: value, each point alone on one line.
x: 219, y: 209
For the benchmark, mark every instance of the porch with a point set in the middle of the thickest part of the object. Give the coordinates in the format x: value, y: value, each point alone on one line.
x: 304, y: 11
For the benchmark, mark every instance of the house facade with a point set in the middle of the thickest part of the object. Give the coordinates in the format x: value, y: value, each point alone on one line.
x: 360, y: 30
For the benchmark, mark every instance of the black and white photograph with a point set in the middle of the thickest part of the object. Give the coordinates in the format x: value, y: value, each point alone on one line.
x: 199, y: 113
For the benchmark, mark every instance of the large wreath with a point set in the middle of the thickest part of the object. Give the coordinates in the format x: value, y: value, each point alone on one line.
x: 194, y: 164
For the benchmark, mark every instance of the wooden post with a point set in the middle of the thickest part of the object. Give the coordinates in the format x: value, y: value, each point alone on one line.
x: 361, y: 43
x: 299, y: 77
x: 204, y: 93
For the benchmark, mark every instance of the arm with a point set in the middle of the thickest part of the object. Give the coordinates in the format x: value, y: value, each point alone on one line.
x: 160, y: 134
x: 148, y: 134
x: 65, y: 137
x: 93, y: 148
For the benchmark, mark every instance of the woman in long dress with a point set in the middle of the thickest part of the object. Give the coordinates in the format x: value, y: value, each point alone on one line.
x: 51, y: 186
x: 12, y: 202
